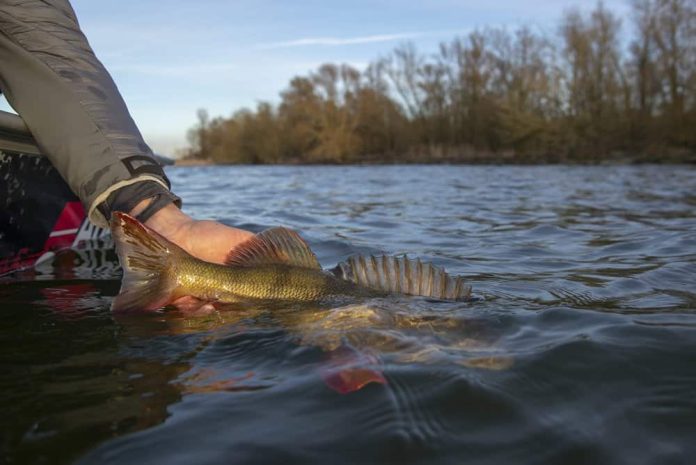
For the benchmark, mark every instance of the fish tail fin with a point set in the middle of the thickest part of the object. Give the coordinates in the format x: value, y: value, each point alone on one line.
x: 402, y: 275
x: 145, y: 257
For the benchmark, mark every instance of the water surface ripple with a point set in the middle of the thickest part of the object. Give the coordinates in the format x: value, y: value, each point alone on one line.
x: 581, y: 347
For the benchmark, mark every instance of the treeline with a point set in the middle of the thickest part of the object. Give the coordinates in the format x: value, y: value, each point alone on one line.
x: 587, y: 93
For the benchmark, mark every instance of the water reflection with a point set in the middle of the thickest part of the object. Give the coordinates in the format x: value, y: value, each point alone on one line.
x: 66, y: 384
x: 580, y: 350
x: 366, y: 336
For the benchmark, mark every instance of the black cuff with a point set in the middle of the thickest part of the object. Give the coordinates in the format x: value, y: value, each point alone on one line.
x: 158, y: 202
x: 126, y: 198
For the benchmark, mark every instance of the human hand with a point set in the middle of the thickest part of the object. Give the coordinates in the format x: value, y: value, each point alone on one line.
x: 208, y: 240
x: 204, y: 239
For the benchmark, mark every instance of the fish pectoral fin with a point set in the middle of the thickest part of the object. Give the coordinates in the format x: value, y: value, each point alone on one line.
x: 352, y: 379
x: 348, y: 370
x: 274, y: 246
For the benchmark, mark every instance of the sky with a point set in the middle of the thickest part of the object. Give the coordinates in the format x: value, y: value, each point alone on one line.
x: 171, y: 57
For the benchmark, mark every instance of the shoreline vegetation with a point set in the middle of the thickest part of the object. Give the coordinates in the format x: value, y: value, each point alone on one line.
x: 599, y: 90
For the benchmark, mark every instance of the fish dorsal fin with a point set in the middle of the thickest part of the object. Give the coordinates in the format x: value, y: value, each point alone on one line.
x: 274, y: 246
x: 402, y: 275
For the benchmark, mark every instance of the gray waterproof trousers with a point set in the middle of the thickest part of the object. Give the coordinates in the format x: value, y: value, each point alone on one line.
x: 52, y: 78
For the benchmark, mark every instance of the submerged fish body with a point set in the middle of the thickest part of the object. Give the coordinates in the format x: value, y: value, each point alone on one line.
x: 274, y: 265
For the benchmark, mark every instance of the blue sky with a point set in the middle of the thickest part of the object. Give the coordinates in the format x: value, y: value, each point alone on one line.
x: 171, y: 57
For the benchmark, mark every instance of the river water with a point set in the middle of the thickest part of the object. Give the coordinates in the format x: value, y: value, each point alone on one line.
x: 580, y: 346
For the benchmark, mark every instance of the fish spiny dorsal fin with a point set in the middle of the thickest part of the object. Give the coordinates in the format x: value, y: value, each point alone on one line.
x: 403, y: 276
x: 274, y: 246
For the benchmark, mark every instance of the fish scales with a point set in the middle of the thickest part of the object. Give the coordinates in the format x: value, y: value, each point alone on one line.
x: 274, y: 265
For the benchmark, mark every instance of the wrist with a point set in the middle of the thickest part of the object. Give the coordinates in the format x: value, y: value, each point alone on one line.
x: 169, y: 221
x: 141, y: 199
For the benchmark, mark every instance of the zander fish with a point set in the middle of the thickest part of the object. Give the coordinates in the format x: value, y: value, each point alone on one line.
x: 276, y: 264
x: 273, y: 265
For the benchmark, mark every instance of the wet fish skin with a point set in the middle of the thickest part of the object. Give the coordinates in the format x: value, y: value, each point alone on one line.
x: 276, y: 264
x: 157, y: 272
x: 209, y: 281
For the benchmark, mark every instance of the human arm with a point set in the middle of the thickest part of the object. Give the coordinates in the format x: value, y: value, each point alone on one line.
x: 54, y: 80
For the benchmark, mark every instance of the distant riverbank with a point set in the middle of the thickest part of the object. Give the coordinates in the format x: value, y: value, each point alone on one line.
x: 501, y: 158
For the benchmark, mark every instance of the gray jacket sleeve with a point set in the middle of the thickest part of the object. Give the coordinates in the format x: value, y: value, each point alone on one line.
x: 53, y: 79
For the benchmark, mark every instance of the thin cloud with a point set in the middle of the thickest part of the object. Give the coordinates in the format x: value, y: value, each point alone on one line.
x: 194, y: 69
x: 338, y: 41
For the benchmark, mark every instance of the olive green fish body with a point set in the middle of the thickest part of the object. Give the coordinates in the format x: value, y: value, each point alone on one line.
x: 273, y: 265
x: 229, y: 284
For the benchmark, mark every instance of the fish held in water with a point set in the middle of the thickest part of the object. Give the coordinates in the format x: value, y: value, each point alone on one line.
x: 276, y: 264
